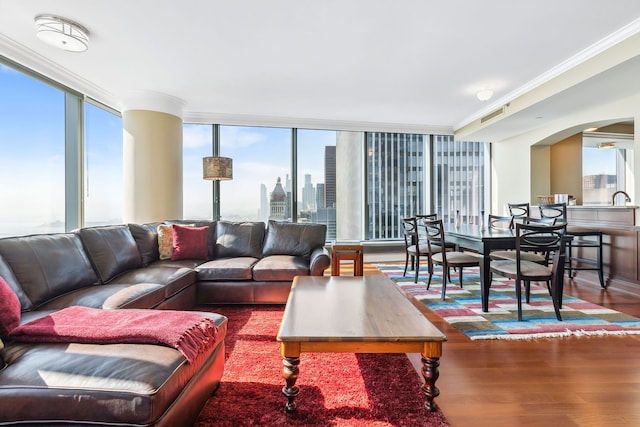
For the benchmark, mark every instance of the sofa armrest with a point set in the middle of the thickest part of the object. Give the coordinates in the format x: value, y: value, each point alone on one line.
x: 319, y: 261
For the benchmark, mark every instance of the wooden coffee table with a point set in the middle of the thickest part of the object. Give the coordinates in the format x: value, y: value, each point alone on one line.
x: 367, y: 314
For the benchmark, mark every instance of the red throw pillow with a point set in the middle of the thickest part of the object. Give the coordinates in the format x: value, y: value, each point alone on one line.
x: 189, y: 242
x: 9, y: 309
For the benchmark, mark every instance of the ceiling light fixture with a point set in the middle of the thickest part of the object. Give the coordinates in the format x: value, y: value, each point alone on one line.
x: 484, y: 94
x: 606, y: 145
x: 62, y: 33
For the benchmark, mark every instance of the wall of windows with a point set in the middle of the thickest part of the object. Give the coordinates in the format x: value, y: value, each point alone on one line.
x: 62, y: 169
x: 395, y: 181
x: 102, y: 166
x: 44, y: 189
x: 292, y: 175
x: 316, y: 181
x: 459, y: 179
x: 32, y: 165
x: 412, y: 174
x: 261, y: 167
x: 197, y: 142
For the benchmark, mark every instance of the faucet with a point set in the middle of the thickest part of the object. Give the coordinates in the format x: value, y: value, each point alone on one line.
x: 627, y: 199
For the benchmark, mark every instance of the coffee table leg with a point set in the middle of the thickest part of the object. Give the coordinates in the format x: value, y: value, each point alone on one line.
x: 430, y: 373
x: 290, y: 374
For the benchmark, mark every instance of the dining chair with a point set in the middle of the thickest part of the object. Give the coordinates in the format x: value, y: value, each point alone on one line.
x: 518, y: 212
x: 421, y: 218
x: 581, y: 240
x: 555, y: 211
x: 539, y: 257
x: 414, y: 248
x: 444, y: 256
x: 536, y: 238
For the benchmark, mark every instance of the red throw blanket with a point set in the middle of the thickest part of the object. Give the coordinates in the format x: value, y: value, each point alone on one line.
x: 189, y: 333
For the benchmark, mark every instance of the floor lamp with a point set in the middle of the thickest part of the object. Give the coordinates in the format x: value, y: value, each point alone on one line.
x: 217, y: 169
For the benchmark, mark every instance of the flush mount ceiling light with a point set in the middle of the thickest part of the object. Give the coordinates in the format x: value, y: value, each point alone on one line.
x: 62, y: 33
x: 484, y: 94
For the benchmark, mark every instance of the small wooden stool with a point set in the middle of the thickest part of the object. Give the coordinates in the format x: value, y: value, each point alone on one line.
x: 347, y: 253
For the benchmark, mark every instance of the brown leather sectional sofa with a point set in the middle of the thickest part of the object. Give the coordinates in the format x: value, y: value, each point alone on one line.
x: 119, y: 267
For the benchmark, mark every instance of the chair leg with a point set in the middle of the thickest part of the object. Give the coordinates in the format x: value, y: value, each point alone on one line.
x: 556, y: 298
x: 460, y: 276
x: 527, y: 291
x: 519, y: 298
x: 444, y: 286
x: 430, y: 270
x: 406, y: 263
x: 417, y: 258
x: 599, y: 261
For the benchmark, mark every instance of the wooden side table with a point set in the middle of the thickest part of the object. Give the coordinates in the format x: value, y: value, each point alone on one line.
x: 347, y: 253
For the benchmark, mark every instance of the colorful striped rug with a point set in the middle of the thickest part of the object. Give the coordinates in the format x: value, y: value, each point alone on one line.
x: 462, y: 308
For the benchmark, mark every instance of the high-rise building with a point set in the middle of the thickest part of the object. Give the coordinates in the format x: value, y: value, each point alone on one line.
x: 264, y: 204
x: 320, y: 195
x: 278, y: 203
x: 396, y: 179
x: 308, y: 194
x: 330, y: 176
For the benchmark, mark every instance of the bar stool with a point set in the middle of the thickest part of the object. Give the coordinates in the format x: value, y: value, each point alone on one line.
x: 583, y: 238
x: 347, y: 253
x: 579, y: 238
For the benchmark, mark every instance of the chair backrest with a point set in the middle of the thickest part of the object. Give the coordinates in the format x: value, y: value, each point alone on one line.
x: 518, y: 209
x: 496, y: 221
x: 420, y: 219
x: 435, y: 236
x: 410, y: 231
x: 557, y: 269
x: 556, y: 211
x: 539, y: 238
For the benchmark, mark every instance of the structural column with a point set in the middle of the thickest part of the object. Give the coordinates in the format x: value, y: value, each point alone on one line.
x: 152, y: 164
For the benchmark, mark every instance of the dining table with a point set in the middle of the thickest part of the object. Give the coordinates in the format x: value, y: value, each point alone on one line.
x: 482, y: 240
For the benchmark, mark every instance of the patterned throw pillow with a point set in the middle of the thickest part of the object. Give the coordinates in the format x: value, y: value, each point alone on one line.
x: 165, y: 241
x: 9, y: 309
x: 190, y: 242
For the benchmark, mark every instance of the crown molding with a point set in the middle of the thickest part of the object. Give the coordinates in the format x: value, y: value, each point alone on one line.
x: 308, y: 123
x: 26, y: 57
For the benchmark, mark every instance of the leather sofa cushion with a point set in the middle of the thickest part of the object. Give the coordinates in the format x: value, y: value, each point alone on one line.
x: 48, y: 265
x: 112, y: 250
x: 276, y: 268
x: 12, y: 281
x: 108, y: 384
x: 238, y: 268
x: 239, y: 239
x: 146, y: 237
x: 172, y: 279
x: 288, y: 238
x: 111, y: 296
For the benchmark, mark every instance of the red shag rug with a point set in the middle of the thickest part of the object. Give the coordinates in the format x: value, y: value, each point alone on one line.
x: 336, y: 389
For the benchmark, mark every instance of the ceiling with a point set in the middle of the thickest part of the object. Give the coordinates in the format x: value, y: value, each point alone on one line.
x: 406, y: 65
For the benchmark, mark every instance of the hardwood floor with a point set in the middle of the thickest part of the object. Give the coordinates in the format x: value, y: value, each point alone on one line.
x: 560, y: 382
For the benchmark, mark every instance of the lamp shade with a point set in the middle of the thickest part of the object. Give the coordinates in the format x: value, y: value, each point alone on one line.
x: 217, y: 168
